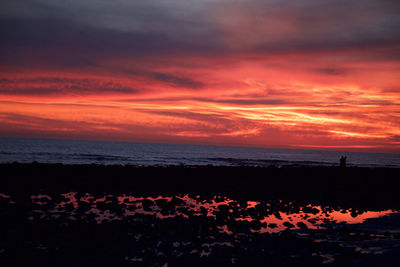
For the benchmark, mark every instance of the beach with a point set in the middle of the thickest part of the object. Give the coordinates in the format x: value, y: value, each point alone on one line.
x: 199, y: 133
x: 102, y: 215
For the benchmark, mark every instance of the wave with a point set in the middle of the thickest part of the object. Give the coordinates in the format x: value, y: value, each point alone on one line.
x: 99, y: 157
x: 65, y: 157
x: 269, y: 162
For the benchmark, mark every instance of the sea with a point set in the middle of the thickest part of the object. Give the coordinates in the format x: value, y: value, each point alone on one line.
x: 26, y: 150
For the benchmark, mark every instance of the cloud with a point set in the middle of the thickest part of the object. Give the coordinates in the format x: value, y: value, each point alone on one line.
x: 176, y: 80
x: 331, y: 71
x: 58, y: 43
x: 36, y: 85
x: 85, y: 33
x: 40, y: 86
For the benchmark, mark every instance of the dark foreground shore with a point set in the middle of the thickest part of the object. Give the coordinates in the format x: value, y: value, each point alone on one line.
x: 94, y: 215
x: 372, y: 187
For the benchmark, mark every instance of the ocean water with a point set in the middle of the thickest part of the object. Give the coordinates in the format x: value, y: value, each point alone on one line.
x: 78, y: 152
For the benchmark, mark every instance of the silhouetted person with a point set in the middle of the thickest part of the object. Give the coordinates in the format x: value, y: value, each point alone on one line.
x: 343, y: 161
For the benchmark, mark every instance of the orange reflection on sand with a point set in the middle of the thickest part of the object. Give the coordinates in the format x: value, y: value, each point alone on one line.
x: 280, y: 215
x: 317, y: 220
x: 360, y: 218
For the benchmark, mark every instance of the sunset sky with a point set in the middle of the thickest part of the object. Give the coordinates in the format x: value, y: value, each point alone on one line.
x: 306, y: 74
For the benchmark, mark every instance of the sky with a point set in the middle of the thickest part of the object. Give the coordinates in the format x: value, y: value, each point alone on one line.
x: 304, y: 74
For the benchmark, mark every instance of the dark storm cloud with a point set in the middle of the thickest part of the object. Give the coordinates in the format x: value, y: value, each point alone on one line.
x: 86, y: 33
x: 63, y: 43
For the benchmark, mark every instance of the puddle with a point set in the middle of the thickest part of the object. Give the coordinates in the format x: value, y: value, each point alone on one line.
x: 263, y: 217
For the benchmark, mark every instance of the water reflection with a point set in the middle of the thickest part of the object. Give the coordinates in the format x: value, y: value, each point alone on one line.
x: 191, y: 228
x: 263, y: 217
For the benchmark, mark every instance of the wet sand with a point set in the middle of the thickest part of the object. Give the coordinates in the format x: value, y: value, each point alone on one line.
x: 90, y: 215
